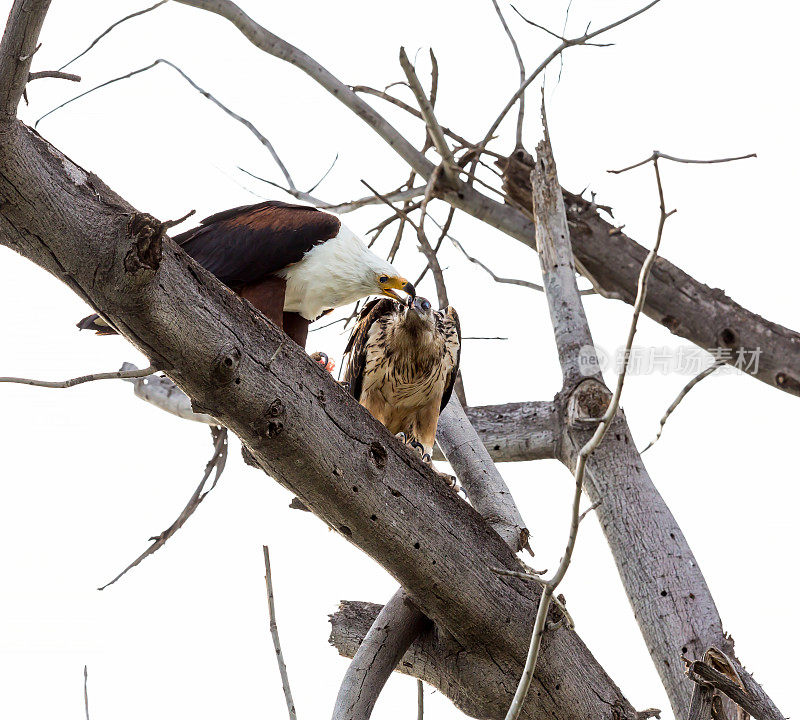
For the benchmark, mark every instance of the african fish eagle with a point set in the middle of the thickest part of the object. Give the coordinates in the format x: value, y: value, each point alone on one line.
x: 402, y: 365
x: 292, y: 262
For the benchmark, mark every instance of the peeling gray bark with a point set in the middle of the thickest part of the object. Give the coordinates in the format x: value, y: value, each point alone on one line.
x: 296, y: 423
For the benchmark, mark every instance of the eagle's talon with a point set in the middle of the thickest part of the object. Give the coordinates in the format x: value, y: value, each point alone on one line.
x: 323, y: 359
x: 426, y: 458
x: 401, y: 436
x: 418, y: 447
x: 451, y: 480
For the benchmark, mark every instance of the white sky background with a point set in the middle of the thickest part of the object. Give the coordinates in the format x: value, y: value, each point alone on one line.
x: 91, y: 473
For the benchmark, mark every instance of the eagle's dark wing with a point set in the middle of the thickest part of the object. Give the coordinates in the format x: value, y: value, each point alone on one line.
x: 356, y: 349
x: 244, y: 245
x: 451, y: 327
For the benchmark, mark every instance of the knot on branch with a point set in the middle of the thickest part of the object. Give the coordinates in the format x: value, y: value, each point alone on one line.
x: 225, y: 368
x: 787, y: 382
x: 588, y: 403
x: 378, y: 454
x: 147, y: 234
x: 270, y: 424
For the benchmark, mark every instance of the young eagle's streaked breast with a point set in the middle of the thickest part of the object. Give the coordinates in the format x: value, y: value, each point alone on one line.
x: 402, y: 365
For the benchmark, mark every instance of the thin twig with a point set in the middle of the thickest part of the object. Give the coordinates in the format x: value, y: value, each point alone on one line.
x: 420, y: 700
x: 217, y: 461
x: 110, y: 28
x: 549, y: 586
x: 57, y: 74
x: 496, y: 278
x: 273, y: 629
x: 244, y: 121
x: 659, y: 155
x: 383, y: 95
x: 521, y: 64
x: 86, y: 690
x: 566, y: 43
x: 435, y: 130
x: 677, y: 401
x: 60, y: 384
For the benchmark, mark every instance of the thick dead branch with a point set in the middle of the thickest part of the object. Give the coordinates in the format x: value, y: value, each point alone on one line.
x: 686, y: 307
x: 514, y: 432
x: 238, y: 368
x: 670, y: 598
x: 396, y: 627
x: 400, y: 621
x: 217, y: 462
x: 703, y: 674
x: 567, y: 314
x: 483, y: 484
x: 16, y: 51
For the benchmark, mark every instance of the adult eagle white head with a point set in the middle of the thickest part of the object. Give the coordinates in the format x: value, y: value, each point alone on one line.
x: 292, y: 262
x: 402, y: 365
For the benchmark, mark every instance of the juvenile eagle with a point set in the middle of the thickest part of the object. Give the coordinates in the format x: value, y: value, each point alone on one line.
x: 402, y: 364
x: 292, y: 262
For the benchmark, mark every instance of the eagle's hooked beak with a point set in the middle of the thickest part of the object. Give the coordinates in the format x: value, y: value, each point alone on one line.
x: 398, y: 283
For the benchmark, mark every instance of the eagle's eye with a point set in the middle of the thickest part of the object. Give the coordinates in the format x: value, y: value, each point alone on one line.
x: 425, y: 305
x: 383, y: 279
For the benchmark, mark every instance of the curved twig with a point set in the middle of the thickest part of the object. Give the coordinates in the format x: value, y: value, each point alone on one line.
x: 677, y: 401
x: 110, y: 28
x: 220, y: 436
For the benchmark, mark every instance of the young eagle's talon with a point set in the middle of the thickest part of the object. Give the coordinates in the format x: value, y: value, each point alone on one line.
x: 451, y: 481
x: 418, y: 447
x: 427, y: 459
x: 401, y: 436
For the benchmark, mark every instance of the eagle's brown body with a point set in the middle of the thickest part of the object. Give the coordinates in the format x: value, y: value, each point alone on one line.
x: 402, y: 365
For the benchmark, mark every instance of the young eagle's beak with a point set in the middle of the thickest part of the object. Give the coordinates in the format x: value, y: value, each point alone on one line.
x: 398, y: 283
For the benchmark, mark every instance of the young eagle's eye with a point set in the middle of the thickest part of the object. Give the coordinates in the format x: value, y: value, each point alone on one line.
x: 383, y: 279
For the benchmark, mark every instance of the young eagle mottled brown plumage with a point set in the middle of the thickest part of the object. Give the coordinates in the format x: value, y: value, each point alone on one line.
x: 402, y: 365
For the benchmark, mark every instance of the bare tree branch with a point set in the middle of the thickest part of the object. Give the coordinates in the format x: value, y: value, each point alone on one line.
x: 685, y: 306
x: 273, y: 630
x: 565, y: 304
x: 244, y: 121
x: 16, y: 50
x: 566, y: 43
x: 435, y: 130
x: 110, y: 28
x: 217, y: 462
x: 61, y: 384
x: 56, y: 74
x: 702, y: 673
x: 659, y: 155
x: 677, y: 401
x: 86, y: 690
x: 521, y: 115
x: 402, y: 515
x: 395, y: 628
